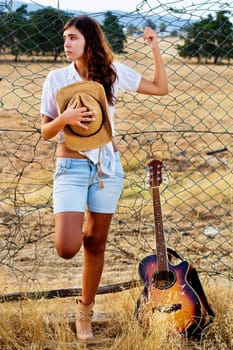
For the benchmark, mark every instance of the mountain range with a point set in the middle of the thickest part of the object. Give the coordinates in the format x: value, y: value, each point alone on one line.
x: 171, y: 22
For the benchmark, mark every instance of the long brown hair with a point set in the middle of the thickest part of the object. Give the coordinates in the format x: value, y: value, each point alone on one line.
x: 98, y: 53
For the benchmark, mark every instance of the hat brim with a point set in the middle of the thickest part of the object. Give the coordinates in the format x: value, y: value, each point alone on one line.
x: 87, y: 143
x: 104, y: 135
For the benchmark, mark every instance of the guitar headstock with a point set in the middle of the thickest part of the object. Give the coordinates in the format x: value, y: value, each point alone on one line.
x: 155, y: 169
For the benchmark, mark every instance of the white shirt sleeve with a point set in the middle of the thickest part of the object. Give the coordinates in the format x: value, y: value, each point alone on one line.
x: 48, y: 101
x: 128, y: 78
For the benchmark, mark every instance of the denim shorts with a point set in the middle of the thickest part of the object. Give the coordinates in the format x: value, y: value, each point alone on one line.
x: 76, y: 187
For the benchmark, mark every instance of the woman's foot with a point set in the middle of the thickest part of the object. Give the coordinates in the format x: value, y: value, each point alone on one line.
x: 83, y: 321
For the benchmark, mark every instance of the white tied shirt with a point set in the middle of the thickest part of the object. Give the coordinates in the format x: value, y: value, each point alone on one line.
x: 127, y: 79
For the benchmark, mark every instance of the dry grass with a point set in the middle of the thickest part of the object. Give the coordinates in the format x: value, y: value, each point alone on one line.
x: 49, y: 325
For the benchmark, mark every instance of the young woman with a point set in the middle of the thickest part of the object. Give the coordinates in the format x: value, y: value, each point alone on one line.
x: 77, y: 191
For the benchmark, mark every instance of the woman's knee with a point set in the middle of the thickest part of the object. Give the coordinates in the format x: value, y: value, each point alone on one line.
x: 67, y: 243
x: 66, y: 252
x: 68, y: 234
x: 94, y: 245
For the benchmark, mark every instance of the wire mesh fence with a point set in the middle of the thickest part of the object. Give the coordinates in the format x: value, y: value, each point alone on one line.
x: 190, y: 130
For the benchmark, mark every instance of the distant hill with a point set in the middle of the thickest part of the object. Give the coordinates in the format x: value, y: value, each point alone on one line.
x: 30, y: 6
x: 172, y: 23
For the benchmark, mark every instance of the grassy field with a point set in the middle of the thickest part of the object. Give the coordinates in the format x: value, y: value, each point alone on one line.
x: 49, y: 324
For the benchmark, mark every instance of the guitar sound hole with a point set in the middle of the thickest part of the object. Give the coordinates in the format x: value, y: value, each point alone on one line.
x: 164, y: 279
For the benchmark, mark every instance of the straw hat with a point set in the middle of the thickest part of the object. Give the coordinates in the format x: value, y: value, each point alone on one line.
x: 88, y: 94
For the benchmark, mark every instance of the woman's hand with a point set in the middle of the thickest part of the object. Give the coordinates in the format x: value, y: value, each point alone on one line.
x: 158, y: 85
x: 72, y: 115
x: 80, y: 116
x: 150, y: 36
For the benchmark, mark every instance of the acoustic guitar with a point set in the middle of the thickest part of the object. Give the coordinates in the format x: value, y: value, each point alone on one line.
x: 166, y: 287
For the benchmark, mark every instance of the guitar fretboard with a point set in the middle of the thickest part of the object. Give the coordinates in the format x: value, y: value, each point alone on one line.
x: 159, y: 233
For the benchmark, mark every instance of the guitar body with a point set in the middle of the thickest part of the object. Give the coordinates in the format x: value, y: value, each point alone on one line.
x: 169, y: 293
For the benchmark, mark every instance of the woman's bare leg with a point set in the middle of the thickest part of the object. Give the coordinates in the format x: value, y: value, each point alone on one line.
x: 94, y: 240
x: 68, y: 241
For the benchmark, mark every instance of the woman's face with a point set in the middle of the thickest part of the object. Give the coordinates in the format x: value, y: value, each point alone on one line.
x: 74, y: 43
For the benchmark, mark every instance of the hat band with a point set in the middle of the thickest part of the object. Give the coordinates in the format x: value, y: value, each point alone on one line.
x: 93, y: 133
x: 80, y: 135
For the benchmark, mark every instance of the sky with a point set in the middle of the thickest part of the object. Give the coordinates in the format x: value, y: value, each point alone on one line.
x: 123, y: 5
x: 91, y: 5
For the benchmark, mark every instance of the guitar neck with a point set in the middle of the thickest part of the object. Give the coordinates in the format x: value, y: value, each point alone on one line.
x: 159, y: 233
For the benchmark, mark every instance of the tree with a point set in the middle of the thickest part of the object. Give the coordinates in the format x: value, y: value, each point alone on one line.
x: 131, y: 29
x: 114, y: 32
x: 13, y: 30
x: 224, y: 35
x: 39, y: 32
x: 150, y: 23
x: 46, y: 31
x: 162, y: 27
x: 208, y: 38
